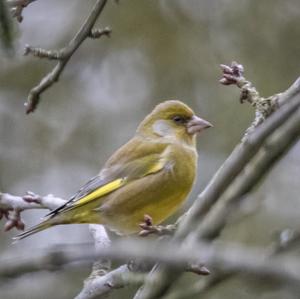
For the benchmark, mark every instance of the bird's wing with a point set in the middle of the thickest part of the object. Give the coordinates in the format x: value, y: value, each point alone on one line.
x: 113, y: 178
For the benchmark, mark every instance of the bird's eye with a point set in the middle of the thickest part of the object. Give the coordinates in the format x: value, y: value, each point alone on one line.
x: 179, y: 119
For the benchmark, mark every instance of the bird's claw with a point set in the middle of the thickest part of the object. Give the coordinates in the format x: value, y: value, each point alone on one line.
x: 149, y: 228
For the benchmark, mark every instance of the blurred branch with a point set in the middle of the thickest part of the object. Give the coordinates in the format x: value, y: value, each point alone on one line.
x: 11, y: 207
x: 286, y: 240
x: 271, y: 151
x: 102, y: 281
x: 6, y: 28
x: 102, y: 285
x: 95, y: 285
x: 200, y: 287
x: 238, y: 159
x: 215, y: 220
x: 228, y: 179
x: 224, y: 257
x: 63, y: 55
x: 17, y: 7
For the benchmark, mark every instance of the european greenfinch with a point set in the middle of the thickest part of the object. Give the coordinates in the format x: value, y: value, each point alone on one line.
x: 152, y: 174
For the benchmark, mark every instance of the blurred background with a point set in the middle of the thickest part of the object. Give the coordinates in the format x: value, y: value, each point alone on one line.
x: 158, y: 50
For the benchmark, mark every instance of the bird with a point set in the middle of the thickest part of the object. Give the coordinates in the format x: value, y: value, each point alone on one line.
x: 152, y: 174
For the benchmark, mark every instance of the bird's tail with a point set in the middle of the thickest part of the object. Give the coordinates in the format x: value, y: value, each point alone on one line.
x: 35, y: 229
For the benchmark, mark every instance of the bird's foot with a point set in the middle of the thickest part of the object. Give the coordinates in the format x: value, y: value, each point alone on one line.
x: 149, y: 228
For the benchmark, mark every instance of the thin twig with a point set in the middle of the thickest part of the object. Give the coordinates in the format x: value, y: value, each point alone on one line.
x: 63, y: 55
x: 233, y: 75
x: 17, y: 7
x: 11, y: 207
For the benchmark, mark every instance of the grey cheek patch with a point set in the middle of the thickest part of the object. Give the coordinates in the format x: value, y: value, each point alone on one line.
x: 162, y: 128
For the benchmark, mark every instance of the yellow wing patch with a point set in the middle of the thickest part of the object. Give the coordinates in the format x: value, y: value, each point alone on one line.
x: 107, y: 188
x: 112, y: 186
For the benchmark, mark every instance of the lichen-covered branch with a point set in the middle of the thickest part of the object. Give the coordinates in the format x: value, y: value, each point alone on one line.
x: 63, y: 55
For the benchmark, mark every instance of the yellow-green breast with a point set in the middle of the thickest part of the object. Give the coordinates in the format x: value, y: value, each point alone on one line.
x: 158, y: 195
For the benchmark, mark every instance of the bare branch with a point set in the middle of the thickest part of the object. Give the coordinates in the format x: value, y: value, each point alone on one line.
x: 286, y: 239
x: 11, y: 207
x: 271, y: 151
x: 224, y: 257
x: 98, y: 32
x: 237, y: 161
x: 223, y: 179
x: 248, y: 163
x: 100, y: 286
x: 102, y: 281
x: 42, y: 53
x: 233, y: 75
x: 17, y: 7
x: 97, y: 283
x: 16, y: 264
x: 63, y: 55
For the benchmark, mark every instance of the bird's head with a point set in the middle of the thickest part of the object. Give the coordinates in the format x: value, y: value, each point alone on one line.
x: 173, y: 119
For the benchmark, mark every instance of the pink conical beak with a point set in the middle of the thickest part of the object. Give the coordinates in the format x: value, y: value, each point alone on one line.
x: 197, y: 125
